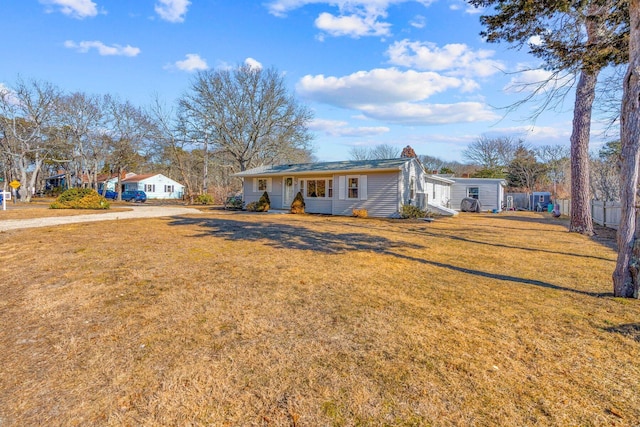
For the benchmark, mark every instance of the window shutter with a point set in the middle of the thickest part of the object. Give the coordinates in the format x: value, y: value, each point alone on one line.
x: 342, y: 187
x: 269, y: 185
x: 363, y: 187
x: 255, y: 185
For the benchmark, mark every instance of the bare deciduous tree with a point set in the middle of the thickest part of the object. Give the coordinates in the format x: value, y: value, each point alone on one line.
x: 556, y: 159
x: 491, y: 153
x: 28, y: 117
x: 381, y: 151
x: 248, y: 114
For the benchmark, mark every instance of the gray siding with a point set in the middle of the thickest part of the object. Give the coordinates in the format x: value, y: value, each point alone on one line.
x: 275, y: 195
x: 322, y: 206
x: 491, y: 193
x: 382, y: 196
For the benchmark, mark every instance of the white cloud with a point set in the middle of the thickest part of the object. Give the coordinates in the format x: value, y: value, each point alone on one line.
x: 430, y: 114
x: 375, y: 86
x: 8, y: 94
x: 352, y: 25
x: 78, y: 9
x: 454, y: 59
x: 538, y: 80
x: 395, y: 96
x: 340, y: 128
x: 356, y: 18
x: 535, y: 41
x: 172, y: 10
x: 418, y: 21
x: 192, y: 62
x: 281, y: 7
x: 253, y: 64
x: 104, y: 50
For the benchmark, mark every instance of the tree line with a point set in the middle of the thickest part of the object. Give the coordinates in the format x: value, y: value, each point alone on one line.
x: 227, y: 121
x: 525, y: 168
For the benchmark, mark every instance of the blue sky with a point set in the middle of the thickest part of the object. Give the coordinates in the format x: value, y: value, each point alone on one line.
x: 398, y: 72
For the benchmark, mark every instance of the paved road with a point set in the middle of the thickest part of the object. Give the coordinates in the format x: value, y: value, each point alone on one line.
x: 135, y: 212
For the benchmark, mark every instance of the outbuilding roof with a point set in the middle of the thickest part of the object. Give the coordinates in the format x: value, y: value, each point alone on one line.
x: 327, y: 167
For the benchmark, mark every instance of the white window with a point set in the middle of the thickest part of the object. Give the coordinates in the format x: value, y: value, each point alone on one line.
x: 150, y: 188
x: 320, y: 188
x: 168, y: 189
x: 352, y: 187
x: 260, y: 185
x: 473, y: 192
x: 412, y: 188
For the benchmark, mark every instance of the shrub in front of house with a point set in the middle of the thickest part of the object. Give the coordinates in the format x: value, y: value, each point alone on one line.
x: 297, y: 206
x: 80, y: 198
x: 360, y: 213
x: 411, y: 211
x: 262, y: 205
x: 234, y: 202
x: 204, y: 199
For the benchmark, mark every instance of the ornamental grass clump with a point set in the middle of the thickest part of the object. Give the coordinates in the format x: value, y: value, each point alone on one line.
x: 297, y: 206
x: 80, y: 198
x: 360, y: 213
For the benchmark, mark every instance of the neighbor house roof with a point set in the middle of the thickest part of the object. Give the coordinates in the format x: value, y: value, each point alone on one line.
x: 328, y: 167
x: 500, y: 181
x: 138, y: 178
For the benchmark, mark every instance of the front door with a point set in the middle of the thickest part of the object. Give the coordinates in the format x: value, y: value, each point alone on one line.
x: 287, y: 193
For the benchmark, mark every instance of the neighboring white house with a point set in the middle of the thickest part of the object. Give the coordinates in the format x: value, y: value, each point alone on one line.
x: 379, y: 186
x: 157, y: 186
x: 489, y: 191
x: 111, y: 181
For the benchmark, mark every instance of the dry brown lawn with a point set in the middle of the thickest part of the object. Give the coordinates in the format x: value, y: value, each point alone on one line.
x: 40, y: 208
x: 282, y: 320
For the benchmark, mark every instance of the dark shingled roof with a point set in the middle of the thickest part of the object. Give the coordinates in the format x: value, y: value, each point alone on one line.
x: 328, y: 167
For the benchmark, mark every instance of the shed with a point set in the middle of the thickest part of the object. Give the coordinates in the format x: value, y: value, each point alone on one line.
x: 488, y: 191
x: 539, y: 200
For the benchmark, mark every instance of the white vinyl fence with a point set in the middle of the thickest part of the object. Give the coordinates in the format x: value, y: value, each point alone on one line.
x: 604, y: 213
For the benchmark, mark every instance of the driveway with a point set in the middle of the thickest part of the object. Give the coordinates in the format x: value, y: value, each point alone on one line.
x: 135, y: 212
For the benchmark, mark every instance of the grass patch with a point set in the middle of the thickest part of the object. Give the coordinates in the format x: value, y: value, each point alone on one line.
x: 312, y: 320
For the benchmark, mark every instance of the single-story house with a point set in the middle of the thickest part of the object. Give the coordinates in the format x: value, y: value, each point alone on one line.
x: 489, y: 191
x: 337, y: 188
x: 157, y: 186
x: 110, y: 181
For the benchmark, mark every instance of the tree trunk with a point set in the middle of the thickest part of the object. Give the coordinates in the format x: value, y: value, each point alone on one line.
x: 625, y: 275
x: 581, y: 221
x: 205, y: 168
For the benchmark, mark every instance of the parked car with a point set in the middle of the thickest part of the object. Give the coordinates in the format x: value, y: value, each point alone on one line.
x: 134, y: 196
x: 111, y: 195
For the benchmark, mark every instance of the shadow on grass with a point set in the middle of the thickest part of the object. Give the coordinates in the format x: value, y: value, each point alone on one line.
x: 603, y: 235
x: 291, y: 236
x: 501, y: 245
x: 631, y: 330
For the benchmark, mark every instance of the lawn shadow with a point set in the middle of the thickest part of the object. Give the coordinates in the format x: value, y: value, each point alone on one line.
x: 501, y: 245
x: 603, y: 235
x: 631, y: 330
x: 292, y: 236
